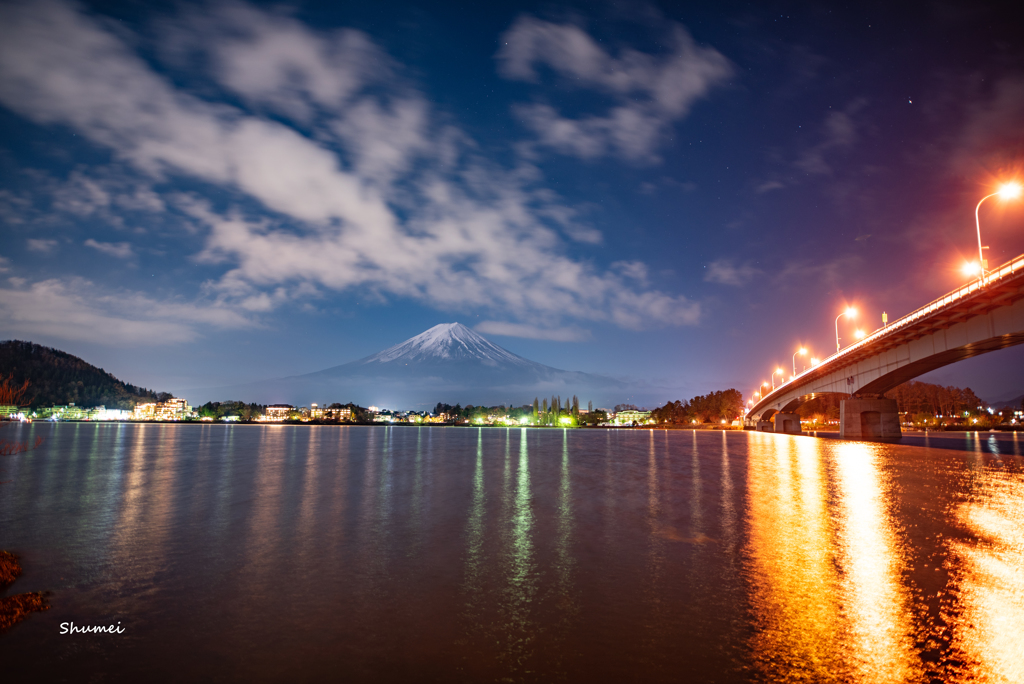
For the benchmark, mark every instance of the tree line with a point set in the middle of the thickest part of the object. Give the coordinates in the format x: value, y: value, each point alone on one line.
x: 922, y: 400
x: 553, y: 411
x: 703, y: 408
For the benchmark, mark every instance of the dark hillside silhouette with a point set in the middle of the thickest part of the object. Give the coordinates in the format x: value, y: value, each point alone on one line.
x: 56, y: 377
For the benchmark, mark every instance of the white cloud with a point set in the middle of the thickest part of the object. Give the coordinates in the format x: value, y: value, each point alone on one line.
x: 838, y: 133
x: 41, y: 245
x: 768, y: 186
x: 725, y: 272
x: 651, y: 91
x: 120, y: 250
x: 274, y: 61
x: 635, y: 270
x: 77, y: 310
x: 567, y: 334
x: 461, y: 233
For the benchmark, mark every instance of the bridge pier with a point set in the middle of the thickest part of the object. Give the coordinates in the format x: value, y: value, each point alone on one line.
x: 764, y: 426
x: 788, y: 423
x: 874, y: 419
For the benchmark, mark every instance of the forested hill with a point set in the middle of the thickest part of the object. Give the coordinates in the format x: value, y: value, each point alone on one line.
x: 56, y: 377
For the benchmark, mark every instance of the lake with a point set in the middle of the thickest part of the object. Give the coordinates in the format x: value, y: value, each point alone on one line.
x: 399, y: 554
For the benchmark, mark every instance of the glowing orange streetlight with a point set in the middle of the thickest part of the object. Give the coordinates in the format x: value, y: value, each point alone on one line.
x: 801, y: 350
x: 814, y: 361
x: 859, y: 334
x: 1007, y: 192
x: 849, y: 313
x: 780, y: 372
x: 971, y: 269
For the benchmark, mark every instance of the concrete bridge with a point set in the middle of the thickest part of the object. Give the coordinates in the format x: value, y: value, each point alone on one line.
x: 983, y: 316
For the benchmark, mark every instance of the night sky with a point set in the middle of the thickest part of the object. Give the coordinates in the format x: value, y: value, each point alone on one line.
x: 203, y: 194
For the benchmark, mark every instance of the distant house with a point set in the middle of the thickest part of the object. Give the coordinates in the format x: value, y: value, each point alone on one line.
x: 322, y: 413
x: 278, y: 411
x: 629, y: 417
x: 172, y: 409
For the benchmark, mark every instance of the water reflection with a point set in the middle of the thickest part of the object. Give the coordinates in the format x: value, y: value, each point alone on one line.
x: 475, y: 534
x: 795, y: 583
x: 368, y: 554
x: 988, y: 580
x: 881, y: 643
x: 520, y: 588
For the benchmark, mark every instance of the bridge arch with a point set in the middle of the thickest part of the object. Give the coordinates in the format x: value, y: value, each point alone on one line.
x: 797, y: 402
x: 897, y: 377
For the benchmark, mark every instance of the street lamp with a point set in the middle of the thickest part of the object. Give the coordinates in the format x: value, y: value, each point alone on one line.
x: 814, y: 361
x: 801, y: 350
x: 780, y: 372
x: 859, y: 334
x: 1008, y: 191
x: 849, y: 313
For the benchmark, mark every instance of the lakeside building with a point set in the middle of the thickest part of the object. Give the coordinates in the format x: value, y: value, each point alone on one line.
x: 278, y: 412
x: 172, y: 409
x: 628, y: 417
x: 322, y: 413
x: 72, y: 412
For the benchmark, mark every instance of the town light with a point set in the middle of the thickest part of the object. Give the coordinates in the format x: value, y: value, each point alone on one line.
x: 1008, y: 191
x: 801, y: 350
x: 849, y: 313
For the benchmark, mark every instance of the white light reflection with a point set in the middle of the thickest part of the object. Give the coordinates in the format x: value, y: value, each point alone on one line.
x: 881, y: 643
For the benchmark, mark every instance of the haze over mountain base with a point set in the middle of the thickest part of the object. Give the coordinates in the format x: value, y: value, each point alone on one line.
x: 448, y: 363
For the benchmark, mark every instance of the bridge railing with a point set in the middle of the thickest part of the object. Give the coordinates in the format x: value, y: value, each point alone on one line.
x: 1008, y: 269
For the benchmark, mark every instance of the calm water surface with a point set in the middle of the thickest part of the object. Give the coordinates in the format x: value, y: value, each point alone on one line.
x: 275, y: 553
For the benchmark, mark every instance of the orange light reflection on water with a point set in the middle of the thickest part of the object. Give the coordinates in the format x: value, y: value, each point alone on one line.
x: 794, y: 580
x: 827, y: 593
x: 988, y: 578
x: 878, y: 606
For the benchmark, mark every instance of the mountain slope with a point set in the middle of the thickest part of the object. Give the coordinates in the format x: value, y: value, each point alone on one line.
x: 447, y: 342
x: 448, y: 363
x: 56, y: 377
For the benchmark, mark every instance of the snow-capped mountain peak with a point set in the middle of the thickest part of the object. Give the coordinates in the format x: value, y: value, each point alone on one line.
x: 447, y: 342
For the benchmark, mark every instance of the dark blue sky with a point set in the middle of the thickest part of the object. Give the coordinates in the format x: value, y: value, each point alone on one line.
x: 198, y: 194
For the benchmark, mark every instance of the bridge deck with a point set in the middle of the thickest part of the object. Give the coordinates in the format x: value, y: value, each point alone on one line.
x: 999, y: 287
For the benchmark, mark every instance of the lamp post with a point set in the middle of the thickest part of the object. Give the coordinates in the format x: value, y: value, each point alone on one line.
x: 1008, y: 191
x: 801, y: 350
x: 849, y: 313
x: 779, y: 371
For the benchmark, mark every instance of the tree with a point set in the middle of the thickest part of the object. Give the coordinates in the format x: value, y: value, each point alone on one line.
x: 536, y: 410
x: 11, y: 393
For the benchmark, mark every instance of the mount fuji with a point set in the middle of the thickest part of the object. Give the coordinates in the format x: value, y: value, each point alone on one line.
x: 448, y: 363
